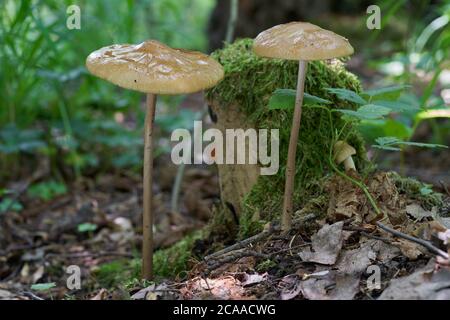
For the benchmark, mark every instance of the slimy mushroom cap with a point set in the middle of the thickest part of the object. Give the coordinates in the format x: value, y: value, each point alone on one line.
x: 153, y: 67
x: 301, y: 41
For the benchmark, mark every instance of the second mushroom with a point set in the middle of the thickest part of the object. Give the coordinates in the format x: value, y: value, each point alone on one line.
x: 303, y: 42
x: 153, y: 68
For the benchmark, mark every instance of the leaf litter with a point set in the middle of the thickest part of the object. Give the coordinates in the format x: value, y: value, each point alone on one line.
x: 334, y: 257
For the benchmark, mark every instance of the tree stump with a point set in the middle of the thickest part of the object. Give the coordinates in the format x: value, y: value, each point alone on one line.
x: 241, y: 101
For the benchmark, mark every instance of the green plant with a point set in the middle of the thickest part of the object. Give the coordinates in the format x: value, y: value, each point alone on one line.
x: 86, y: 227
x: 422, y: 59
x: 43, y: 286
x: 47, y: 190
x: 370, y: 109
x: 8, y: 203
x: 51, y: 107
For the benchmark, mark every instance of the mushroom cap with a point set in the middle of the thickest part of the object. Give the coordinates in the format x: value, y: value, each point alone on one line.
x: 301, y: 41
x: 153, y: 67
x: 342, y: 150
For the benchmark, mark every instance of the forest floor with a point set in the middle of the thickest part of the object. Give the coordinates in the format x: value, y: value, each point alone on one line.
x: 339, y: 255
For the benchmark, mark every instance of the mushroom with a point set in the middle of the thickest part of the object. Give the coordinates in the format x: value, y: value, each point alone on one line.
x: 153, y: 68
x: 304, y: 42
x: 343, y: 153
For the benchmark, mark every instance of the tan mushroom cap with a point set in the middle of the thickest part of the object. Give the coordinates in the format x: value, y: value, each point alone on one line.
x: 342, y: 150
x: 153, y: 67
x: 301, y: 41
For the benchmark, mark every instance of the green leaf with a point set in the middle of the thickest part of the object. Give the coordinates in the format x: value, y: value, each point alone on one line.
x: 386, y: 93
x: 396, y: 106
x: 426, y: 190
x: 47, y: 190
x: 393, y: 143
x: 86, y: 227
x: 348, y: 95
x: 43, y: 286
x: 10, y: 204
x: 367, y: 112
x: 285, y: 99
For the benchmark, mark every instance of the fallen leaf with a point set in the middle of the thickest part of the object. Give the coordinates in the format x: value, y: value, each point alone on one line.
x: 251, y: 279
x: 290, y: 287
x: 357, y: 260
x: 101, y: 295
x: 420, y: 286
x: 152, y: 292
x: 409, y: 249
x: 327, y: 244
x: 6, y: 295
x: 419, y: 213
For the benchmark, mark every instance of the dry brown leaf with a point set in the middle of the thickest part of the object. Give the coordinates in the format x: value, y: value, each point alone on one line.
x: 409, y: 249
x: 419, y: 213
x: 101, y: 295
x: 326, y: 243
x: 424, y: 284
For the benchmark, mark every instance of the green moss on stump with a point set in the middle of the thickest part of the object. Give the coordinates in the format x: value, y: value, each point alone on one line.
x: 249, y: 82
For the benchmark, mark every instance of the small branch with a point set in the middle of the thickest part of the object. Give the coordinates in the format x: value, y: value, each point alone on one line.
x: 233, y: 256
x: 241, y: 244
x: 31, y: 295
x: 421, y: 242
x: 258, y: 237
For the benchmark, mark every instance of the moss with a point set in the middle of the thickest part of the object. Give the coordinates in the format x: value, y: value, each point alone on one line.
x: 117, y: 273
x: 173, y: 261
x: 417, y: 190
x: 248, y: 83
x: 265, y: 265
x: 168, y: 263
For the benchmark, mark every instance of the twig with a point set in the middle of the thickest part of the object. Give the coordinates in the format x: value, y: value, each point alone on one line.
x: 421, y: 242
x: 258, y: 237
x: 239, y: 245
x: 290, y: 248
x: 31, y: 295
x: 371, y: 236
x: 234, y: 256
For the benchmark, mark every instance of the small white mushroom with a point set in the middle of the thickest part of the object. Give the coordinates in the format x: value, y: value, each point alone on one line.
x: 343, y: 153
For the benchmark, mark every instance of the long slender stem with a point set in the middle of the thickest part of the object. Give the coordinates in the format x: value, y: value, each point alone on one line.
x: 286, y: 218
x: 147, y: 226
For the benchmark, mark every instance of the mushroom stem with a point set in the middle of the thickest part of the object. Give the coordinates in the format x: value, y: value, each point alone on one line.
x: 147, y: 226
x: 349, y: 164
x: 286, y: 217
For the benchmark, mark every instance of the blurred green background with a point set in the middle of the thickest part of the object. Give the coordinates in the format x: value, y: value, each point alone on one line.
x: 50, y: 105
x: 52, y: 109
